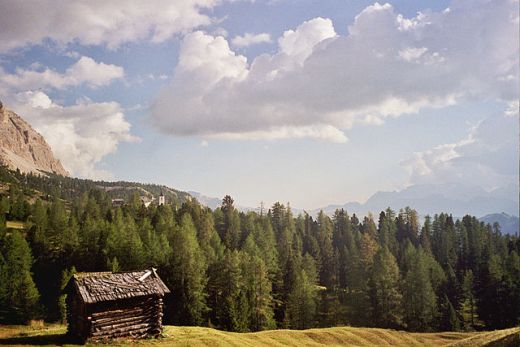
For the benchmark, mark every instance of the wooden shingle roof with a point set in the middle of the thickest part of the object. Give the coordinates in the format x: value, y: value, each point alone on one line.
x: 95, y: 287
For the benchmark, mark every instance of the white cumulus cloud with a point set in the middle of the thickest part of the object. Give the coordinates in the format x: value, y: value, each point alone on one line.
x: 85, y: 71
x: 80, y: 135
x: 319, y: 83
x: 98, y: 22
x: 249, y: 39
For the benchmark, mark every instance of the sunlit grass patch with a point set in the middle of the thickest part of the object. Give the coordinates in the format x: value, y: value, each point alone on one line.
x: 15, y: 224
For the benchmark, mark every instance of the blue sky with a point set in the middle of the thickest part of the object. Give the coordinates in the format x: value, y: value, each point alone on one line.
x: 311, y: 102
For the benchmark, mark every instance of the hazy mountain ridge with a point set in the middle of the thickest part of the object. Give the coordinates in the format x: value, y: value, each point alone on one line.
x: 430, y: 199
x: 23, y: 148
x: 214, y: 203
x: 208, y: 201
x: 508, y: 224
x: 498, y: 205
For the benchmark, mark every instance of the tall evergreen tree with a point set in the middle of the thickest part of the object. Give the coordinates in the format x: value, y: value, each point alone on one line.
x: 258, y: 289
x: 302, y: 300
x: 426, y: 232
x: 387, y: 230
x: 187, y: 278
x: 449, y: 319
x: 232, y: 310
x: 66, y: 276
x: 328, y: 276
x: 469, y: 314
x: 18, y: 294
x: 384, y: 291
x: 229, y: 228
x: 418, y: 295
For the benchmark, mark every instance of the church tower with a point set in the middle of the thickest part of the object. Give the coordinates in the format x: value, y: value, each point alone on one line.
x: 162, y: 199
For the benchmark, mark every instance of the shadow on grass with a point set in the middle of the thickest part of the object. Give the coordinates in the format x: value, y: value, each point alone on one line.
x: 38, y: 340
x: 512, y: 340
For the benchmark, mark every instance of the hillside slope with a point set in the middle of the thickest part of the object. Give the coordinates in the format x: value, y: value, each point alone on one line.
x: 68, y: 188
x: 340, y: 336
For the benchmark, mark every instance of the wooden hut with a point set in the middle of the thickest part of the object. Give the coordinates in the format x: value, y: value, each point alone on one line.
x: 106, y: 305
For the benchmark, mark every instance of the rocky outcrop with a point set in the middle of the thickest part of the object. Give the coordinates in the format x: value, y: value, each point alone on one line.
x: 21, y: 147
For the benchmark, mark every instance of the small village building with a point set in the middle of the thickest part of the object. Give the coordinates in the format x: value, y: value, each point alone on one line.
x: 162, y: 199
x: 106, y: 305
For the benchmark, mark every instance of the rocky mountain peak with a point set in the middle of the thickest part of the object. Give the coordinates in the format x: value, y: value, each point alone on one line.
x: 23, y: 148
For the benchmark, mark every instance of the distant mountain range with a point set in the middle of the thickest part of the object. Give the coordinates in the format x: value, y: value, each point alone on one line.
x: 500, y: 205
x: 210, y: 202
x: 508, y: 224
x: 214, y: 203
x: 456, y: 199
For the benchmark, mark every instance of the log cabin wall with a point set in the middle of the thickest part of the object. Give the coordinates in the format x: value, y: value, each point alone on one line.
x: 76, y: 318
x: 136, y: 318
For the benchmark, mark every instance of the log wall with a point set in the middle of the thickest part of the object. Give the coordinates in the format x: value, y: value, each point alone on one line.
x: 135, y: 318
x: 77, y: 324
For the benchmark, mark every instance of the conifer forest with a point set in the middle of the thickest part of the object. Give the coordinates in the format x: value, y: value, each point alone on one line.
x: 260, y: 270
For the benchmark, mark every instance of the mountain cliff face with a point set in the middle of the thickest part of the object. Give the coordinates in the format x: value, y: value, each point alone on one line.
x: 21, y: 147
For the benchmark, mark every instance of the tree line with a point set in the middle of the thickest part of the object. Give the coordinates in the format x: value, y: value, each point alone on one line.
x: 253, y: 271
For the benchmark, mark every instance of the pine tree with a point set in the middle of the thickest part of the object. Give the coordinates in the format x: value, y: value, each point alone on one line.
x: 328, y: 276
x: 156, y: 247
x: 19, y: 208
x: 113, y: 265
x: 425, y: 238
x: 53, y: 250
x: 187, y: 279
x: 368, y: 249
x: 493, y: 304
x: 258, y: 289
x: 57, y: 227
x: 512, y: 289
x: 18, y: 294
x: 206, y: 233
x: 384, y: 291
x: 449, y: 320
x: 387, y: 230
x: 66, y: 276
x: 39, y: 221
x: 469, y: 310
x: 357, y: 295
x: 408, y: 225
x: 5, y: 205
x: 265, y: 240
x: 229, y: 228
x: 444, y: 240
x: 302, y: 300
x: 123, y: 242
x: 418, y: 295
x: 231, y: 309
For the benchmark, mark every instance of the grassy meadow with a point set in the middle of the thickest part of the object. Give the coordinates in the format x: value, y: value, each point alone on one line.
x: 50, y: 335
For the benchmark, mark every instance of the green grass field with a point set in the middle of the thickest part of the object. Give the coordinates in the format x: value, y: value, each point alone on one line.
x: 341, y: 336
